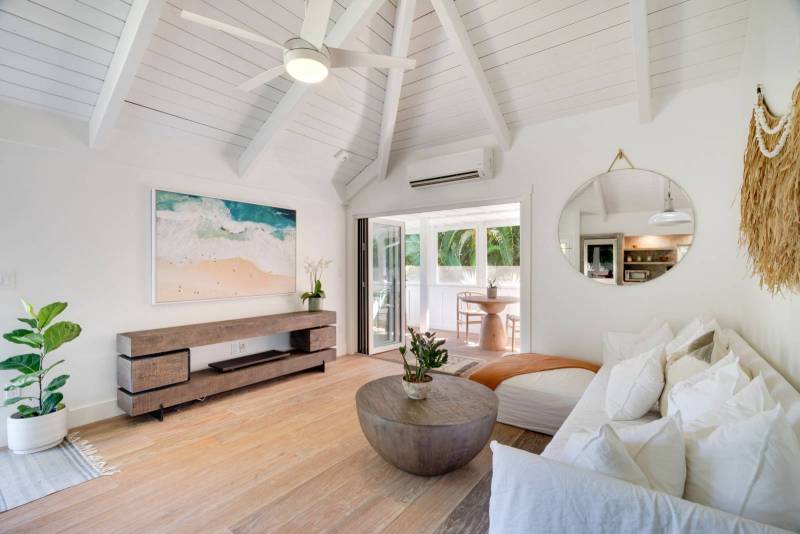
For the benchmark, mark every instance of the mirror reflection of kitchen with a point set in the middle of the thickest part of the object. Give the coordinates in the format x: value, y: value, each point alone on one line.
x: 626, y: 227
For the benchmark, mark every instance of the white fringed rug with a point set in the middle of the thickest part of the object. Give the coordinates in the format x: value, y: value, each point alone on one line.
x: 27, y: 477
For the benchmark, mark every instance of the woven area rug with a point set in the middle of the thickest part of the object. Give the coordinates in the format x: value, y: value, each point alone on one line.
x: 27, y: 477
x: 456, y: 364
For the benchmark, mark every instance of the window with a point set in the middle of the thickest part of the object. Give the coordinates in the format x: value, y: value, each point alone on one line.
x: 502, y: 255
x: 412, y: 258
x: 456, y: 258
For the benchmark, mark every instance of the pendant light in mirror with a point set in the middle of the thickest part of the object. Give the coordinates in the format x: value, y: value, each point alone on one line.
x: 669, y: 217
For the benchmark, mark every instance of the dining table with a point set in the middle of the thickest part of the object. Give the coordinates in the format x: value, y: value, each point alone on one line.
x: 493, y: 332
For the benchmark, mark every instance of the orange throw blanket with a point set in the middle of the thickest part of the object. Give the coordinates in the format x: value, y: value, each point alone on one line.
x: 491, y: 374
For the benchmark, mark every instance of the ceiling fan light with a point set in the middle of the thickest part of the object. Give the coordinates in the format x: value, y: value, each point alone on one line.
x: 306, y: 65
x: 306, y: 70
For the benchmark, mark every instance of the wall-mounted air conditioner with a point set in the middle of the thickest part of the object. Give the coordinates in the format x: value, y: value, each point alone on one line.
x: 468, y: 166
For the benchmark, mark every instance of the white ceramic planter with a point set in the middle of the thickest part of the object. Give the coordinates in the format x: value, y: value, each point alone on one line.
x: 34, y: 434
x: 418, y: 390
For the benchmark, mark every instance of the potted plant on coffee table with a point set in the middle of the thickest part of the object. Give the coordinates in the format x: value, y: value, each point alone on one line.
x: 40, y: 421
x: 314, y: 270
x: 429, y: 354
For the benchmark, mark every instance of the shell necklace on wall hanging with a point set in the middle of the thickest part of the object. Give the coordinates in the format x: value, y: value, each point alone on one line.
x: 770, y: 196
x: 784, y: 126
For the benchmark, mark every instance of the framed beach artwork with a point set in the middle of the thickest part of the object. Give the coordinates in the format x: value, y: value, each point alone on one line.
x: 208, y: 248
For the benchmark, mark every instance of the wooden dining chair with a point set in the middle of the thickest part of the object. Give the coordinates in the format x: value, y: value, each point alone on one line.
x: 467, y: 313
x: 514, y: 322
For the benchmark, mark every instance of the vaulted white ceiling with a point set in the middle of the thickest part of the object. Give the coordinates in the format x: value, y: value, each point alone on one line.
x: 541, y: 59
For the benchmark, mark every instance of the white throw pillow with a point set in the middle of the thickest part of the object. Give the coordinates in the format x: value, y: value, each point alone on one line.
x: 635, y: 385
x: 602, y: 451
x: 708, y: 390
x: 750, y: 468
x: 722, y: 346
x: 677, y: 371
x: 752, y: 399
x: 651, y: 338
x: 657, y: 448
x: 689, y: 334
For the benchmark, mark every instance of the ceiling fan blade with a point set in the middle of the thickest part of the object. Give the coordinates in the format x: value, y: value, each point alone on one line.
x: 227, y: 28
x: 332, y: 89
x: 261, y: 79
x: 315, y: 23
x: 350, y: 58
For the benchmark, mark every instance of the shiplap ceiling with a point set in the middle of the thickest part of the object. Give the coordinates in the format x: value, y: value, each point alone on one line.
x: 542, y: 59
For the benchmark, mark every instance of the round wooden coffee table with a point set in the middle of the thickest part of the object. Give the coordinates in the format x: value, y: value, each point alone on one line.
x: 432, y: 436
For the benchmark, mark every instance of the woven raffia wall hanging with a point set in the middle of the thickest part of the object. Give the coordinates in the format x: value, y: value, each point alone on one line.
x: 770, y: 196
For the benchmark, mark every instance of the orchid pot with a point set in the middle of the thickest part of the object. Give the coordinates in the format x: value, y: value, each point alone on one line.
x: 315, y: 304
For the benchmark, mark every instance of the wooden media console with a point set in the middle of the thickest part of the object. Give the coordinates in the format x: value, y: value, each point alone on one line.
x: 153, y: 366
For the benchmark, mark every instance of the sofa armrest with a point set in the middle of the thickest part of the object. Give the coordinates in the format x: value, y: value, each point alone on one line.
x: 617, y: 346
x: 535, y: 494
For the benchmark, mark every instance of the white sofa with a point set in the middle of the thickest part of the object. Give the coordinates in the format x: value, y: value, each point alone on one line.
x: 532, y: 493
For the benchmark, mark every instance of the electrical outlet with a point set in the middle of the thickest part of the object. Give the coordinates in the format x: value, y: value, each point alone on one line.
x: 242, y: 347
x: 238, y: 347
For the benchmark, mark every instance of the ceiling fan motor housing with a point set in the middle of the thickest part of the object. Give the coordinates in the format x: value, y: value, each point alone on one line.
x: 305, y: 62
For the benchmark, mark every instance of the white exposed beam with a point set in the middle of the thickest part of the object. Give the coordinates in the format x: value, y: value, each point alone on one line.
x: 142, y: 19
x: 351, y: 21
x: 361, y: 180
x: 641, y: 49
x: 404, y: 19
x: 462, y: 47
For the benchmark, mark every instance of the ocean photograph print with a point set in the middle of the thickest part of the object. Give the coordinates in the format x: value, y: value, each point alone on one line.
x: 207, y: 248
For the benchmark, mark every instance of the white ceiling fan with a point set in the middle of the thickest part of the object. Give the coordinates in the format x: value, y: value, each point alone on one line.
x: 306, y: 58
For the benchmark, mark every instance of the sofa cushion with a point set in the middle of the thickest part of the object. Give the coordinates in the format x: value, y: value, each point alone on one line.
x: 535, y: 494
x: 635, y: 385
x: 602, y: 451
x: 686, y: 336
x: 678, y: 371
x: 748, y: 467
x: 752, y: 399
x: 657, y: 448
x: 707, y: 390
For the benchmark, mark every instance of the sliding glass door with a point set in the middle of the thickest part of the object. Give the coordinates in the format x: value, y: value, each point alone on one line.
x: 386, y: 278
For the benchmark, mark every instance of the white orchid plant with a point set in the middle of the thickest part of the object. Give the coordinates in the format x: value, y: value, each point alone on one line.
x: 314, y: 270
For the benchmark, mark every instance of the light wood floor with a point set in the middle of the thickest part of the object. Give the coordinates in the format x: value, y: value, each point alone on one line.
x: 285, y: 456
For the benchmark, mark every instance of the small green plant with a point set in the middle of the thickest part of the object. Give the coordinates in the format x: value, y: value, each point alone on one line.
x: 428, y: 352
x: 44, y: 336
x: 492, y: 282
x: 317, y: 293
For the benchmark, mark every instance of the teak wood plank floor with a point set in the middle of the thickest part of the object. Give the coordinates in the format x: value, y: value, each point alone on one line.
x: 284, y: 456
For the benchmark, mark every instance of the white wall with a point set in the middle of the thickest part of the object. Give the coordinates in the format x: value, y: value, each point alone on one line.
x: 75, y: 226
x: 697, y: 139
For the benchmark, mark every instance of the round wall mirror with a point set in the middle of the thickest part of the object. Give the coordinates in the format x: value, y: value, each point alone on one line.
x: 626, y: 227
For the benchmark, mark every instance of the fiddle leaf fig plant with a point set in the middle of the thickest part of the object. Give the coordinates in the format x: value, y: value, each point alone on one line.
x: 428, y: 353
x: 44, y: 336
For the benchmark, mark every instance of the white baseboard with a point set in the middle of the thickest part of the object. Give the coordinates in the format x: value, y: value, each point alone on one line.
x: 83, y: 415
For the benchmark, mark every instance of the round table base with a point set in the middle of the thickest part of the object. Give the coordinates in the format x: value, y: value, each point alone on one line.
x: 493, y: 333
